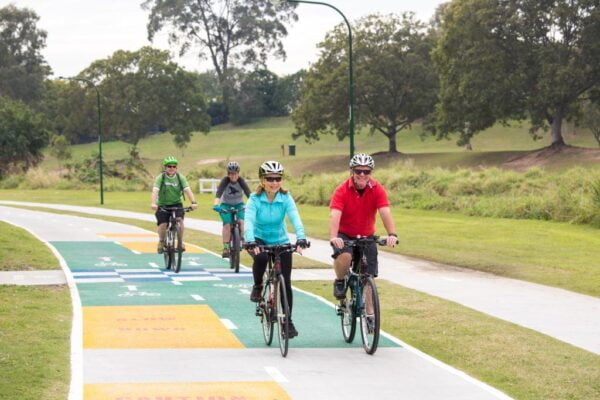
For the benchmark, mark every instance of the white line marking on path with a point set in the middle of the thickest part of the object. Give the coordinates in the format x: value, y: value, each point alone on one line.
x: 107, y: 259
x: 176, y: 283
x: 132, y: 288
x: 197, y: 297
x: 153, y: 265
x: 135, y: 252
x: 245, y: 291
x: 193, y: 263
x: 228, y: 324
x: 276, y: 375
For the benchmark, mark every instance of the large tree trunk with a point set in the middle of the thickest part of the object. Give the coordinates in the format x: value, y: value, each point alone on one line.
x: 557, y: 137
x: 392, y: 139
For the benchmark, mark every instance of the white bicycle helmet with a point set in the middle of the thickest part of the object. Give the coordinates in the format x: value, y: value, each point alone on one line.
x: 233, y: 166
x: 270, y: 167
x: 363, y: 160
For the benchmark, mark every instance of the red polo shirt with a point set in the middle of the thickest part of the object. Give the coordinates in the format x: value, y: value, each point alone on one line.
x: 358, y: 212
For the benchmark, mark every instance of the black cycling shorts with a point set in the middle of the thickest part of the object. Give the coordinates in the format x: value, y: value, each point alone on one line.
x: 163, y: 217
x: 372, y: 267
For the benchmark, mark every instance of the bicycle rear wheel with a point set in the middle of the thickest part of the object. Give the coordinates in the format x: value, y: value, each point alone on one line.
x: 283, y: 316
x: 268, y: 311
x: 176, y: 262
x: 370, y: 322
x: 347, y: 316
x: 234, y: 249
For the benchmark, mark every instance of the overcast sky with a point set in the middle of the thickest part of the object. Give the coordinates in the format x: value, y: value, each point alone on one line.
x: 81, y: 31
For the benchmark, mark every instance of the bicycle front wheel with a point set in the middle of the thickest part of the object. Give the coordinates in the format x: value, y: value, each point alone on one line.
x: 347, y: 315
x: 168, y: 249
x: 369, y: 316
x: 283, y: 316
x: 176, y: 262
x: 234, y: 249
x: 268, y: 311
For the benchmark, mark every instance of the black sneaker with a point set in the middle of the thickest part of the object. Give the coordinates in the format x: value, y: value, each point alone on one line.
x: 292, y: 332
x: 255, y: 296
x: 339, y: 289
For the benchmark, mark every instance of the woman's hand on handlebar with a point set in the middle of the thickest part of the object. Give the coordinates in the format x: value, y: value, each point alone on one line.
x: 252, y: 248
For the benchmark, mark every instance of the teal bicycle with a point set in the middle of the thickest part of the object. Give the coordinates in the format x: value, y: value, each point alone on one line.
x: 361, y: 301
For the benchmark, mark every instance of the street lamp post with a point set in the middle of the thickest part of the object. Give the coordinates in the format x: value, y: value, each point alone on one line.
x: 90, y: 83
x: 350, y: 71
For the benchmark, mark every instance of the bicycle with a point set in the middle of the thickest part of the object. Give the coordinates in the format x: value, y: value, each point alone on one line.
x: 273, y: 307
x: 173, y: 244
x: 363, y: 292
x: 235, y: 239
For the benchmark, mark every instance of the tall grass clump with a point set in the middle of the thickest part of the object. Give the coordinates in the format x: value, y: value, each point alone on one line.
x: 569, y: 196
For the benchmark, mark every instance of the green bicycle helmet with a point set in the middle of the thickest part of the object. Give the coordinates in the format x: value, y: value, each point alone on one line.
x: 170, y: 160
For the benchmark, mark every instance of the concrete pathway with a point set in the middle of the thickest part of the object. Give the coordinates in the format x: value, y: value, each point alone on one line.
x: 141, y: 332
x: 51, y: 277
x: 571, y: 317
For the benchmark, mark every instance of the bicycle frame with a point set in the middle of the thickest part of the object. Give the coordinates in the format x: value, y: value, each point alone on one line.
x: 173, y: 253
x: 234, y: 238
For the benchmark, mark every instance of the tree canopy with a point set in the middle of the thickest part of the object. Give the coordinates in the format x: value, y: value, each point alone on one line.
x: 22, y: 66
x: 234, y: 33
x: 145, y: 92
x: 505, y: 59
x: 395, y: 83
x: 23, y: 135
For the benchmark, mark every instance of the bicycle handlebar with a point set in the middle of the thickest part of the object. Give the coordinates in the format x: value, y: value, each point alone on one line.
x: 364, y: 240
x: 169, y: 209
x: 230, y: 210
x: 276, y: 248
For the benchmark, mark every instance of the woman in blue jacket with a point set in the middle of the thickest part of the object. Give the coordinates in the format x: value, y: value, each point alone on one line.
x: 265, y: 213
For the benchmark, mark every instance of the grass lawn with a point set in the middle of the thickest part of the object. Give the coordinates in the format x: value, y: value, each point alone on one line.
x: 550, y: 253
x: 18, y: 254
x: 521, y: 362
x: 264, y: 138
x: 34, y: 341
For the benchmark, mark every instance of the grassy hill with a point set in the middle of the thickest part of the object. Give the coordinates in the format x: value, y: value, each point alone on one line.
x: 253, y: 143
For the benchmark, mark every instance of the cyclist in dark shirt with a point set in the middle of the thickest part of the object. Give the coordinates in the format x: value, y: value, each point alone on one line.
x: 230, y: 193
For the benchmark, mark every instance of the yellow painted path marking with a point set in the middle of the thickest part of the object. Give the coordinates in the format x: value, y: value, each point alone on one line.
x: 135, y: 327
x: 150, y: 247
x: 192, y: 391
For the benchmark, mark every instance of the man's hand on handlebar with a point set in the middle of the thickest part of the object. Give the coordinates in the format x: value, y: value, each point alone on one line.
x: 392, y: 240
x: 217, y: 208
x: 337, y: 242
x: 154, y: 206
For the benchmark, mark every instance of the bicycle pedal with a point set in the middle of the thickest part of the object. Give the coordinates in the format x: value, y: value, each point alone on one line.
x: 339, y: 311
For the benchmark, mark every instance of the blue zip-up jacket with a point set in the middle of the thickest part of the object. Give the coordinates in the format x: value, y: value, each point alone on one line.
x: 265, y: 220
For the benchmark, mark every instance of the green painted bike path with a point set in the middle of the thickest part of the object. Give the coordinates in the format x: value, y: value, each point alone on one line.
x: 108, y: 274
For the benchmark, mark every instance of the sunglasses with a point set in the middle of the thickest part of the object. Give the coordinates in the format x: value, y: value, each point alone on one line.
x: 273, y: 178
x: 362, y: 171
x: 171, y: 166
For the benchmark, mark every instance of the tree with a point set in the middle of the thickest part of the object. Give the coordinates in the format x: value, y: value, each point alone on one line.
x: 514, y: 59
x: 395, y: 84
x: 22, y: 67
x: 590, y: 118
x: 23, y: 135
x: 236, y: 33
x: 145, y: 92
x: 287, y: 94
x: 60, y: 148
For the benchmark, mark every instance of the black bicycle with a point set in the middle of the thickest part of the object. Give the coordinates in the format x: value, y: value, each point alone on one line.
x: 235, y: 238
x: 173, y: 242
x: 273, y: 307
x: 362, y: 301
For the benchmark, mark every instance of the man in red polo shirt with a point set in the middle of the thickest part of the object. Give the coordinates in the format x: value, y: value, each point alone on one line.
x: 353, y: 207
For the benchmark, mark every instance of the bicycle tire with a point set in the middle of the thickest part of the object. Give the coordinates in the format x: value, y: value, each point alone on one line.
x: 283, y: 316
x: 370, y: 329
x: 178, y: 249
x: 168, y: 250
x: 234, y: 249
x: 347, y: 316
x: 268, y: 312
